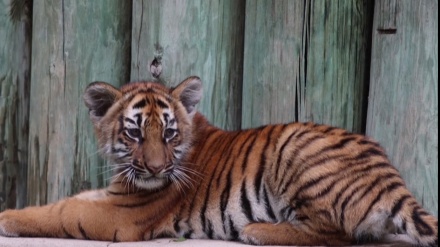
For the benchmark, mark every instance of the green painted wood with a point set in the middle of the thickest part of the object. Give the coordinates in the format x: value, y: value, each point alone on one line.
x: 14, y: 101
x: 73, y: 44
x: 403, y: 101
x: 306, y: 61
x: 203, y: 38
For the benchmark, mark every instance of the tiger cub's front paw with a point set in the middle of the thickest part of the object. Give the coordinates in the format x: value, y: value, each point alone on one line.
x: 9, y: 224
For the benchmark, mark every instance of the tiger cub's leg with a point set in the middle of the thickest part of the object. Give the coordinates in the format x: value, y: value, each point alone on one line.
x: 89, y: 215
x: 286, y: 233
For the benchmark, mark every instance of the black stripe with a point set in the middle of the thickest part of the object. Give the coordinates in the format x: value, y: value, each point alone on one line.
x: 320, y: 153
x: 248, y: 151
x: 369, y: 142
x: 350, y: 183
x: 387, y: 189
x: 340, y: 179
x: 188, y: 234
x: 286, y: 211
x: 267, y: 205
x: 330, y: 232
x: 398, y: 205
x: 140, y: 104
x: 83, y: 232
x: 166, y: 116
x: 314, y: 181
x: 280, y: 154
x: 134, y: 205
x: 341, y: 144
x: 378, y: 180
x: 262, y: 166
x: 234, y: 232
x: 224, y: 199
x: 171, y: 121
x: 357, y: 189
x: 211, y: 133
x: 176, y: 225
x: 262, y: 163
x: 138, y: 119
x: 162, y: 104
x: 404, y: 227
x: 329, y: 129
x: 143, y: 203
x: 327, y: 215
x: 233, y: 146
x: 120, y: 141
x: 116, y: 193
x: 374, y: 151
x: 245, y: 204
x: 115, y: 236
x: 68, y: 235
x: 421, y: 226
x: 203, y: 212
x: 223, y: 145
x: 129, y: 120
x: 210, y: 231
x: 213, y: 147
x: 114, y: 150
x: 121, y: 124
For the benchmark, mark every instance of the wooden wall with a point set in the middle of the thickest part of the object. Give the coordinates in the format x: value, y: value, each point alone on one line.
x: 15, y: 64
x: 306, y: 61
x: 260, y: 61
x: 73, y: 43
x: 403, y: 103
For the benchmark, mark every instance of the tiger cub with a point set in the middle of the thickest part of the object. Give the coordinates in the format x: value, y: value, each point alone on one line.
x: 179, y: 176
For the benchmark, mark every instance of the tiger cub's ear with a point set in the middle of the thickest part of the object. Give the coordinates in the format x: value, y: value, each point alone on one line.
x: 189, y: 91
x: 99, y: 97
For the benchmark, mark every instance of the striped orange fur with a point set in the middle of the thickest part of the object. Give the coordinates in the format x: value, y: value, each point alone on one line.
x: 179, y: 176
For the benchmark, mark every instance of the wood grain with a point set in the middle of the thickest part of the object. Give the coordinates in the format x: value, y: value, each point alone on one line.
x: 203, y: 38
x: 73, y: 44
x: 15, y: 38
x: 403, y: 101
x: 306, y: 61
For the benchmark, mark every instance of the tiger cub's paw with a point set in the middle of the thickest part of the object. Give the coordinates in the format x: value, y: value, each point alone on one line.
x: 8, y: 224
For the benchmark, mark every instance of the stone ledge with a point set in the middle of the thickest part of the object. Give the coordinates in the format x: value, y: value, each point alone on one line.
x: 54, y: 242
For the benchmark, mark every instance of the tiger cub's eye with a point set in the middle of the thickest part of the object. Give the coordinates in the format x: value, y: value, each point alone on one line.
x: 169, y: 133
x: 136, y: 133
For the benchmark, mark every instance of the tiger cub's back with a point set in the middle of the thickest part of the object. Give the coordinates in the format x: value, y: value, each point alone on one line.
x: 320, y: 178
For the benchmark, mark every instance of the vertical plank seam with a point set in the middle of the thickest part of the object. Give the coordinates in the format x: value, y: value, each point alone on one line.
x: 139, y: 37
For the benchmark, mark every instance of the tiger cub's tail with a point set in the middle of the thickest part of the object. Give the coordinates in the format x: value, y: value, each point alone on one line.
x: 411, y: 219
x: 398, y: 217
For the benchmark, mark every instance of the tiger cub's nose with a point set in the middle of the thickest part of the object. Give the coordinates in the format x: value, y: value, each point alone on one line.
x: 154, y: 169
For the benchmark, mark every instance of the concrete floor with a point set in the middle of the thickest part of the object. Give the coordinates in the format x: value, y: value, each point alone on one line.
x: 53, y: 242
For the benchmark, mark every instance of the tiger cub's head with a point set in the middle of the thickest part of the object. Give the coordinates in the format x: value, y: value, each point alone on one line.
x: 144, y: 128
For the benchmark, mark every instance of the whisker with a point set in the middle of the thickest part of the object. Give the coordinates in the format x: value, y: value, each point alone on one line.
x: 177, y: 182
x: 116, y: 176
x: 183, y: 178
x: 109, y: 170
x: 99, y: 150
x: 173, y: 181
x: 187, y: 171
x: 190, y: 170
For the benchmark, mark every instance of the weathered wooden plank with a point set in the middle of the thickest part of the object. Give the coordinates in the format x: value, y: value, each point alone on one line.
x: 403, y: 101
x: 203, y: 38
x: 14, y: 101
x: 307, y: 61
x: 73, y: 43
